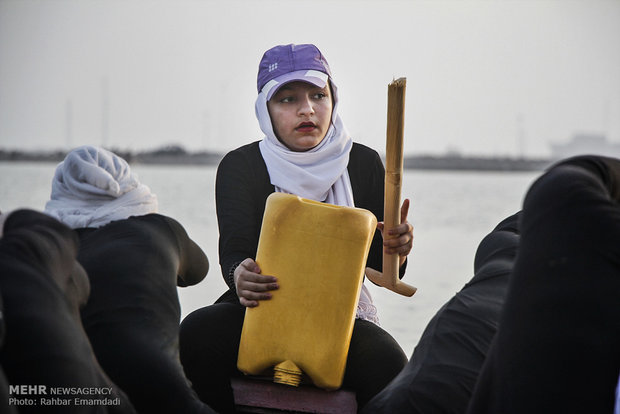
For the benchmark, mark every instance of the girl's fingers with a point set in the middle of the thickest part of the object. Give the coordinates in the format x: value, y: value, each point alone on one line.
x: 249, y: 277
x: 253, y: 287
x: 403, y: 250
x: 404, y: 210
x: 247, y: 303
x: 257, y: 287
x: 253, y: 295
x: 251, y: 298
x: 402, y: 240
x: 250, y: 265
x: 404, y: 225
x: 402, y: 228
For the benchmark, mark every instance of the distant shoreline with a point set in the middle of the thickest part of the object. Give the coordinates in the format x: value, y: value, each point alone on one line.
x: 178, y: 156
x: 473, y: 163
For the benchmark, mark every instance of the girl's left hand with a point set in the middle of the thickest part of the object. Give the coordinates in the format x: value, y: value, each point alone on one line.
x: 400, y: 237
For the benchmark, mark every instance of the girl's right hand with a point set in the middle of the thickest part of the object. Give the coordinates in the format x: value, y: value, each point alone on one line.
x: 251, y: 285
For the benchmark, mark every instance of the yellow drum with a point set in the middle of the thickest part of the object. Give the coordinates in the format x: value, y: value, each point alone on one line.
x: 318, y: 253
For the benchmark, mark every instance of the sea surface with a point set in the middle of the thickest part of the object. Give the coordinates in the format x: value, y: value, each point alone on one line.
x: 451, y: 212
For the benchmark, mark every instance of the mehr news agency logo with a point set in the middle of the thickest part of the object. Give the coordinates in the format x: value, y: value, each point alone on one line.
x: 42, y: 395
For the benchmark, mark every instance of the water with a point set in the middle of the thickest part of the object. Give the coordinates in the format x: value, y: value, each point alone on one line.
x: 451, y: 212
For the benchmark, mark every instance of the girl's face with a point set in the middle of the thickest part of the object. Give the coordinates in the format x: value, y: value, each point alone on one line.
x: 301, y: 114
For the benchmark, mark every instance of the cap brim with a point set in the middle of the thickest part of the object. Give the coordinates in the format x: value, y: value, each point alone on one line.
x: 311, y: 76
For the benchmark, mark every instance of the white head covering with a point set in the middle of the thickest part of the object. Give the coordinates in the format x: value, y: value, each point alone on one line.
x: 93, y: 187
x: 318, y: 174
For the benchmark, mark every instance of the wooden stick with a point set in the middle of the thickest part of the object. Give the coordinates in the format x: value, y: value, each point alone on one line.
x: 393, y: 182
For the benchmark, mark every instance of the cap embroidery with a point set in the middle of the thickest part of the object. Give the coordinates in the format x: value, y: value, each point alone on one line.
x: 273, y: 67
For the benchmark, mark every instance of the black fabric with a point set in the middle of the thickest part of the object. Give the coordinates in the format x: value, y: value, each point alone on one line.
x: 42, y: 287
x: 557, y: 347
x: 4, y: 384
x: 374, y: 359
x: 243, y: 185
x: 442, y: 372
x: 209, y: 343
x: 132, y: 317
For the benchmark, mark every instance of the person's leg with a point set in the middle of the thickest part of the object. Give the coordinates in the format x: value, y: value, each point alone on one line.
x: 208, y: 345
x: 374, y: 359
x: 556, y: 349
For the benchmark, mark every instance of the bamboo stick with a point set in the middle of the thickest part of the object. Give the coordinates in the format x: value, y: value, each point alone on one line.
x: 393, y: 183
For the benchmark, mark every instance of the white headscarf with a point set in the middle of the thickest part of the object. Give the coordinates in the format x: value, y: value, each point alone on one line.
x: 318, y: 174
x: 93, y: 187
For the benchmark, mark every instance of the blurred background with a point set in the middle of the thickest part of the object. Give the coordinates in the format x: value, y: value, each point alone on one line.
x: 490, y: 78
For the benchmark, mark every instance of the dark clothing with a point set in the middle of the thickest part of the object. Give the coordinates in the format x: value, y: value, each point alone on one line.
x: 132, y: 317
x: 42, y: 286
x: 210, y: 344
x: 242, y: 187
x: 557, y: 349
x: 442, y: 372
x: 4, y: 384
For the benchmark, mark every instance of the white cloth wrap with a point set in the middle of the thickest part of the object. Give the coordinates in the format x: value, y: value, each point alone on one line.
x: 93, y: 187
x: 318, y: 174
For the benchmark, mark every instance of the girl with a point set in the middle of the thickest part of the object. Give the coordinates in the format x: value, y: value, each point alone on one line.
x: 308, y: 152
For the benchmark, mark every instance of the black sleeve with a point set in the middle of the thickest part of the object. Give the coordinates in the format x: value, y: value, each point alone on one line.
x: 240, y: 204
x: 193, y: 262
x: 368, y: 193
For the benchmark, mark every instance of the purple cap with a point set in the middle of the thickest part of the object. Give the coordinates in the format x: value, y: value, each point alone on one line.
x: 287, y: 63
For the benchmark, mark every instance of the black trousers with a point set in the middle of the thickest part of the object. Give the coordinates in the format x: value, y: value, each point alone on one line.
x: 209, y: 344
x: 557, y: 349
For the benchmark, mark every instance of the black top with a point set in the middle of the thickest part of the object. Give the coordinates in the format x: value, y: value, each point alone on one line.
x: 132, y: 316
x: 243, y: 185
x: 138, y: 261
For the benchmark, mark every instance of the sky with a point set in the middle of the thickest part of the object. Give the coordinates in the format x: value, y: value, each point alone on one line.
x: 489, y: 78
